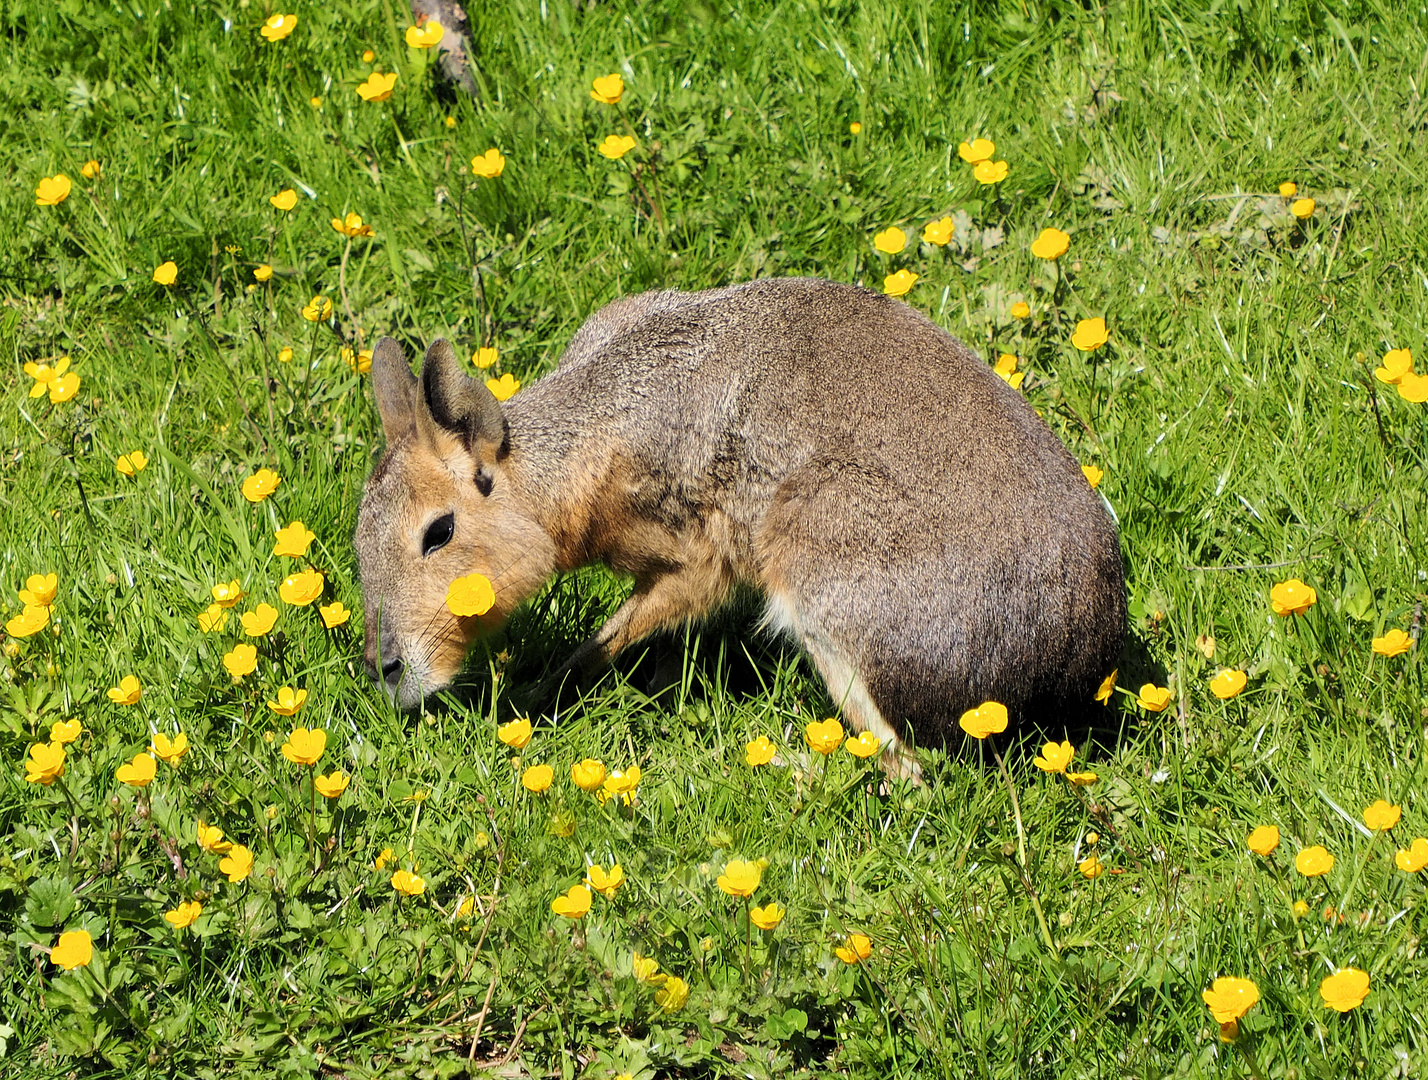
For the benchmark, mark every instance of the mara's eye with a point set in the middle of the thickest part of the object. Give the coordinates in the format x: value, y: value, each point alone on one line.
x: 438, y: 534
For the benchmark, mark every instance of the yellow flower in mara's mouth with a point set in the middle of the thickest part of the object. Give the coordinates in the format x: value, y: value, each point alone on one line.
x: 332, y: 785
x: 588, y: 775
x: 1396, y: 364
x: 1230, y: 997
x: 305, y: 746
x: 1302, y: 208
x: 263, y: 272
x: 210, y: 838
x: 899, y: 284
x: 503, y: 388
x: 1090, y: 335
x: 890, y: 241
x: 1393, y: 643
x: 351, y: 225
x: 1051, y: 244
x: 615, y: 147
x: 242, y: 660
x: 302, y: 588
x: 857, y: 949
x: 864, y: 746
x: 132, y: 463
x: 672, y: 994
x: 608, y: 89
x: 1314, y: 861
x: 334, y: 614
x: 741, y: 877
x: 768, y: 916
x: 1055, y: 757
x: 939, y: 232
x: 470, y: 595
x: 75, y: 948
x: 1292, y: 597
x: 1153, y: 698
x: 260, y: 485
x: 1382, y: 815
x: 45, y: 764
x: 426, y: 35
x: 537, y: 778
x: 1345, y: 990
x: 605, y: 882
x: 294, y: 540
x: 166, y: 273
x: 573, y: 903
x: 284, y: 200
x: 185, y: 915
x: 40, y: 590
x: 989, y: 718
x: 824, y: 736
x: 1414, y: 857
x: 288, y: 701
x: 976, y: 151
x: 516, y: 734
x: 759, y: 751
x: 127, y: 692
x: 138, y: 773
x: 237, y: 864
x: 259, y: 621
x: 65, y: 731
x: 169, y: 751
x: 30, y: 621
x: 378, y: 87
x: 1263, y: 840
x: 489, y: 165
x: 1228, y: 683
x: 278, y: 27
x: 990, y: 172
x: 52, y: 190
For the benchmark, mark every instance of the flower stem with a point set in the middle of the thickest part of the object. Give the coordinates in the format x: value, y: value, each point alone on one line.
x: 312, y: 815
x: 748, y: 939
x: 1021, y: 853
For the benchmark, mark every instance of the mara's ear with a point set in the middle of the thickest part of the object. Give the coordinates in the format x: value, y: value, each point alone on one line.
x: 462, y: 405
x: 396, y: 389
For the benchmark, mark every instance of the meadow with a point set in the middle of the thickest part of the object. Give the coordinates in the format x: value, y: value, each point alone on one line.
x: 223, y: 853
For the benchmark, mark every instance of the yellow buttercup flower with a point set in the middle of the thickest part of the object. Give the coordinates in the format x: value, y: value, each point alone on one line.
x: 332, y: 785
x: 318, y: 309
x: 288, y: 701
x: 608, y: 89
x: 1020, y: 310
x: 378, y: 87
x: 302, y: 588
x: 1396, y: 364
x: 45, y: 375
x: 1051, y: 244
x: 759, y: 751
x: 857, y: 949
x: 672, y: 994
x: 976, y: 151
x: 502, y: 388
x: 588, y: 775
x: 470, y: 595
x: 741, y: 877
x: 242, y: 660
x: 278, y: 27
x: 284, y: 200
x: 91, y: 169
x: 1302, y: 208
x: 1288, y: 189
x: 1082, y: 779
x: 890, y: 241
x: 1345, y: 989
x: 426, y: 35
x: 259, y: 621
x: 1093, y: 475
x: 484, y: 357
x: 1153, y: 698
x: 1090, y: 335
x: 65, y: 731
x: 899, y: 284
x: 1414, y: 857
x: 1413, y: 387
x: 305, y: 746
x: 1230, y: 997
x: 824, y: 736
x: 489, y: 165
x: 237, y: 864
x: 516, y: 734
x: 1393, y: 643
x: 40, y: 590
x: 132, y: 463
x: 263, y: 272
x: 334, y: 614
x: 166, y: 273
x: 226, y: 594
x: 138, y: 773
x: 1263, y: 840
x: 1055, y: 757
x: 64, y: 388
x: 939, y: 232
x: 864, y: 746
x: 605, y: 882
x: 1091, y: 867
x: 1382, y: 815
x: 210, y: 838
x: 646, y: 969
x: 359, y: 361
x: 1314, y: 861
x: 768, y: 916
x: 574, y: 903
x: 33, y: 619
x: 1292, y: 597
x: 1007, y: 372
x: 351, y: 225
x: 127, y: 692
x: 615, y: 147
x: 990, y: 172
x: 855, y: 128
x: 621, y: 784
x: 75, y: 948
x: 537, y: 778
x: 185, y: 915
x: 45, y: 764
x: 260, y: 485
x: 1228, y: 683
x: 294, y: 540
x: 169, y: 751
x: 989, y: 718
x: 52, y: 190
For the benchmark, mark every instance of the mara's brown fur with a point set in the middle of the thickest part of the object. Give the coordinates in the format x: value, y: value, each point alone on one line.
x: 910, y: 520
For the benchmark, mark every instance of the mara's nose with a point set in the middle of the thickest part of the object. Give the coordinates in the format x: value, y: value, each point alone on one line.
x: 392, y: 672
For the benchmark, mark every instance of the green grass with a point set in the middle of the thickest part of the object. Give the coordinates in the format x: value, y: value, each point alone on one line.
x: 1243, y: 436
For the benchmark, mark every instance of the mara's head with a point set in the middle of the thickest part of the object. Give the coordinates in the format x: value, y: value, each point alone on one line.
x: 439, y: 505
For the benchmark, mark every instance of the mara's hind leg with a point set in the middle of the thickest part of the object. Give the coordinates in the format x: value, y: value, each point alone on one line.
x: 846, y: 686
